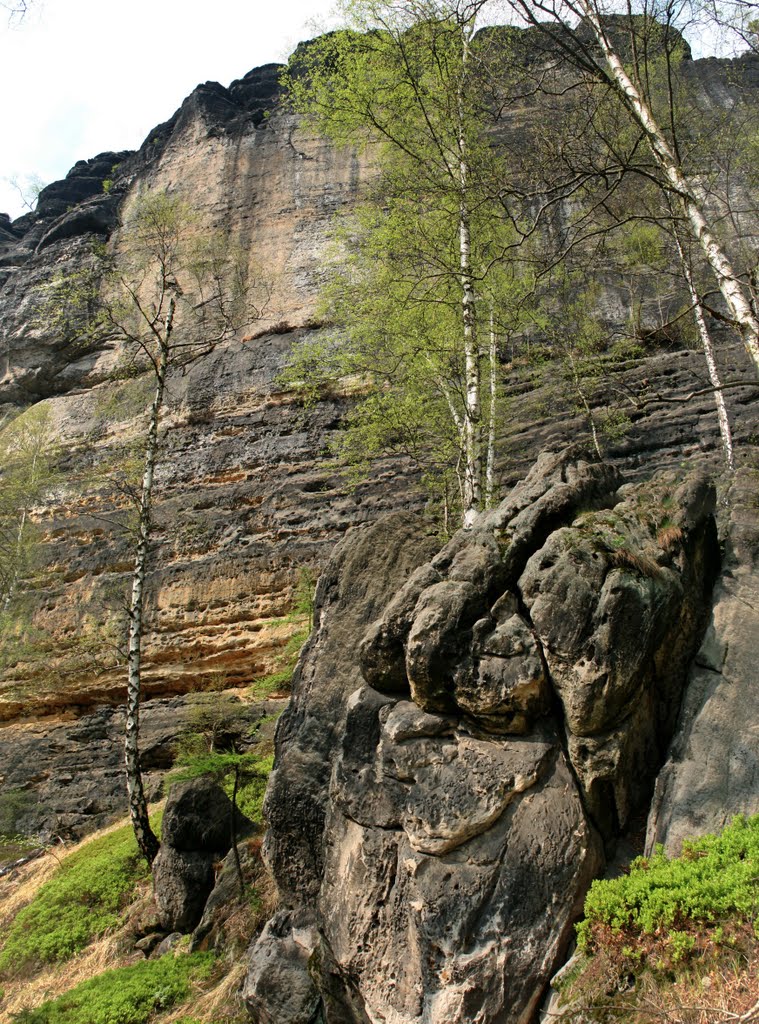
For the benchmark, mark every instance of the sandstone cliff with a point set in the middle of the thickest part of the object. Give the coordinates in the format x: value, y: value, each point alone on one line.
x: 441, y: 803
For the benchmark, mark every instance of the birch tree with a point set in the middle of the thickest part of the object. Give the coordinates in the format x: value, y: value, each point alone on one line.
x: 168, y: 295
x: 601, y: 59
x: 406, y: 81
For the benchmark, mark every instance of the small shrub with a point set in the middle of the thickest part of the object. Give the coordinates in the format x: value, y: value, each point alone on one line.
x: 126, y: 995
x: 82, y: 901
x: 715, y: 879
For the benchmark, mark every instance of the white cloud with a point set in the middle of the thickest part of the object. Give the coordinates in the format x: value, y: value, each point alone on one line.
x: 78, y: 77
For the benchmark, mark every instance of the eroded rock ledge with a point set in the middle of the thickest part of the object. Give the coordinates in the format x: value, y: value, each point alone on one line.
x: 469, y: 731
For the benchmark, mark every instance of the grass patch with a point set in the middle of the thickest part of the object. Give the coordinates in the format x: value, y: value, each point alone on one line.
x: 125, y: 995
x: 676, y: 933
x: 83, y: 900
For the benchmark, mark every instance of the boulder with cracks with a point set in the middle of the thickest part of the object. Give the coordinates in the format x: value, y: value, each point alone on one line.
x: 468, y: 729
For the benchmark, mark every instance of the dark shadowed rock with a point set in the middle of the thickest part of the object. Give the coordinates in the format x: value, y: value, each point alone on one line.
x: 182, y: 882
x: 712, y: 771
x: 452, y: 836
x: 196, y: 832
x: 197, y: 817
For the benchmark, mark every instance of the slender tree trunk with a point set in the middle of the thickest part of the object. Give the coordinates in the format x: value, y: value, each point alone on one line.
x: 233, y: 831
x: 580, y: 391
x: 493, y: 382
x: 16, y: 568
x: 138, y: 808
x: 729, y: 285
x: 472, y: 370
x: 711, y: 363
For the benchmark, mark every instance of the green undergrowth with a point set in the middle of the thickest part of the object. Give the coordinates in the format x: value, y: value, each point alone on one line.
x: 126, y: 995
x: 671, y: 928
x: 83, y: 900
x: 250, y: 796
x: 714, y: 878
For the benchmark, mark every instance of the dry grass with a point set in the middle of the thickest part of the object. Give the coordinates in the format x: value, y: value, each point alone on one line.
x: 623, y: 558
x: 722, y: 987
x: 223, y: 1001
x: 669, y: 537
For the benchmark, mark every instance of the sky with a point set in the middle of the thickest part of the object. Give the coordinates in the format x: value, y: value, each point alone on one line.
x: 81, y: 77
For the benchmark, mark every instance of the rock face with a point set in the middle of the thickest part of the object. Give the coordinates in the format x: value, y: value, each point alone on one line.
x: 712, y: 771
x: 64, y: 776
x: 443, y: 789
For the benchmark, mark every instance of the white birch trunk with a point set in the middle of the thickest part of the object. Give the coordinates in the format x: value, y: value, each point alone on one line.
x: 493, y: 387
x: 711, y: 363
x: 729, y: 284
x: 472, y: 374
x: 138, y: 808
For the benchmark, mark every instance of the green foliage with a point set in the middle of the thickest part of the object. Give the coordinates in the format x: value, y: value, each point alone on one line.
x: 126, y: 995
x: 281, y: 678
x: 252, y: 771
x: 107, y: 185
x: 82, y: 901
x: 408, y: 80
x: 714, y: 879
x: 250, y: 796
x: 303, y: 598
x: 13, y: 804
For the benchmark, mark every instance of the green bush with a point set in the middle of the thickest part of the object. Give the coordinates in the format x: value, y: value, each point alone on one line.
x: 81, y: 901
x: 250, y: 796
x: 715, y: 879
x: 126, y: 995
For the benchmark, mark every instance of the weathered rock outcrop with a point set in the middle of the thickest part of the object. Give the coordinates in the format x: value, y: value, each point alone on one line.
x: 196, y: 832
x: 712, y: 771
x: 443, y: 790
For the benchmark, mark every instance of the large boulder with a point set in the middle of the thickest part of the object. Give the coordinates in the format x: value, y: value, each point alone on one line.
x: 182, y: 882
x: 196, y: 832
x: 465, y: 731
x: 197, y: 817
